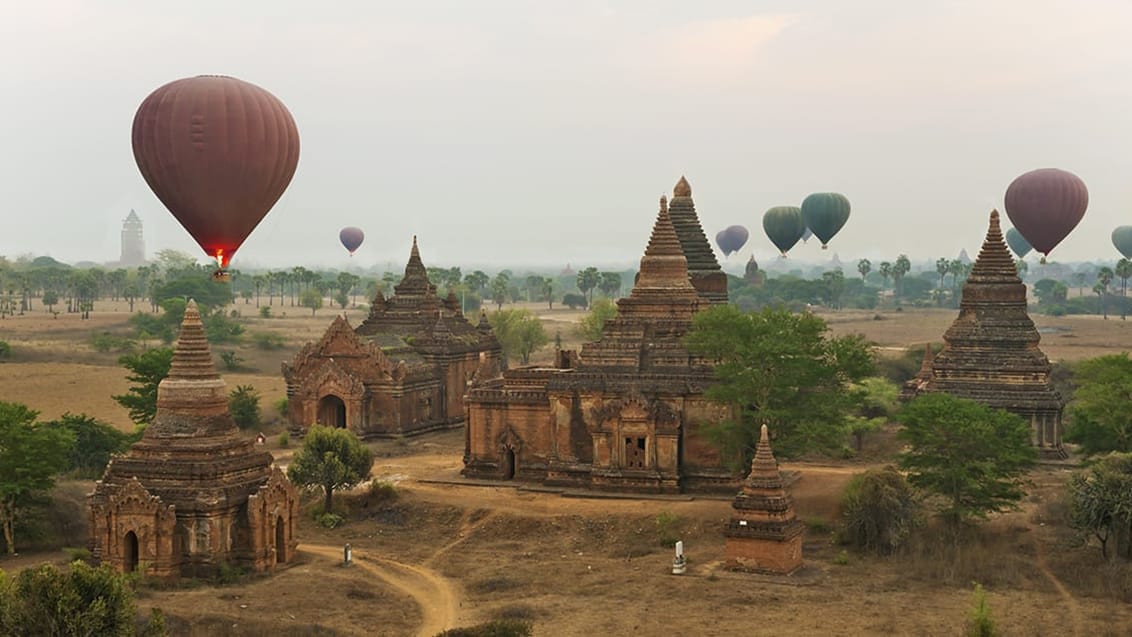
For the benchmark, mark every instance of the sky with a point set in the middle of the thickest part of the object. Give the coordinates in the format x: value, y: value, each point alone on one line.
x: 543, y: 133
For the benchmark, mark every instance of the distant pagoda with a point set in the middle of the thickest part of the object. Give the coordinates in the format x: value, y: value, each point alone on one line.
x: 764, y: 534
x: 703, y: 268
x: 133, y: 242
x: 991, y: 352
x: 193, y: 494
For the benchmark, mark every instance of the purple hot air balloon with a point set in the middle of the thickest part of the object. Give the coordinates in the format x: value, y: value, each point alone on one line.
x: 351, y: 238
x: 731, y: 239
x: 1045, y: 205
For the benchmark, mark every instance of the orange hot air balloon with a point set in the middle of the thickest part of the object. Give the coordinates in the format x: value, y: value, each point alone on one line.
x: 218, y: 152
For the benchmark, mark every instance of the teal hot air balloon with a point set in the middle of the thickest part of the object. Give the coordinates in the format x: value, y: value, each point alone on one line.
x: 784, y: 226
x: 824, y: 213
x: 1018, y: 244
x: 1122, y: 239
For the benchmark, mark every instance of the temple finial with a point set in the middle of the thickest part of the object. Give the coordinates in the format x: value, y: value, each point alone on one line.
x: 682, y: 188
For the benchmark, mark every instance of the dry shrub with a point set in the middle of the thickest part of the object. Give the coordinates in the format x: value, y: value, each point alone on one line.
x: 995, y: 557
x: 494, y: 585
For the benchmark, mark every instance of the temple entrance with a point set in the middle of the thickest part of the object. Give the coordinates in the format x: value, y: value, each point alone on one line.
x: 130, y: 552
x: 332, y: 411
x: 280, y: 541
x: 508, y: 463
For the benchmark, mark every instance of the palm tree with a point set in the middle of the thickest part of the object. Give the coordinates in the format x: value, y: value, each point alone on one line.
x: 1123, y: 270
x: 864, y: 266
x: 942, y: 266
x: 899, y: 269
x: 1104, y: 279
x: 885, y: 271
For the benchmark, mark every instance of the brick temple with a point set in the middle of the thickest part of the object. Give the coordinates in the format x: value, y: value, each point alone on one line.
x: 193, y: 494
x: 764, y: 535
x: 991, y: 353
x: 624, y: 413
x: 404, y: 370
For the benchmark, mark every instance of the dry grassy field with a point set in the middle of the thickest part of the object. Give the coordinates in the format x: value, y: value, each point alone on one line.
x: 441, y: 553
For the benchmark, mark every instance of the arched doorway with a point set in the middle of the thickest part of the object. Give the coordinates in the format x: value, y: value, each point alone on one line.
x: 332, y: 411
x: 280, y: 541
x: 130, y: 552
x: 508, y: 463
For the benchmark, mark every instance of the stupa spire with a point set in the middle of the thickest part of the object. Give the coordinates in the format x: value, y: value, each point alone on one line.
x: 192, y: 357
x: 663, y: 265
x: 764, y: 465
x: 415, y: 281
x: 682, y: 188
x: 994, y: 263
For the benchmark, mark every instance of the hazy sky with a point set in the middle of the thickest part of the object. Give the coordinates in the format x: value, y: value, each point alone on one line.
x: 543, y: 132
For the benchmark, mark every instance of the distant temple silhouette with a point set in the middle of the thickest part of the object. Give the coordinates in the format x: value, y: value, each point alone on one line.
x: 133, y: 243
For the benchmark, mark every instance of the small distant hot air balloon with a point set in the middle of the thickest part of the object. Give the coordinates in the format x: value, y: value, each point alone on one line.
x: 784, y: 226
x: 1122, y: 239
x: 351, y: 238
x: 1018, y: 243
x: 806, y: 235
x: 731, y: 239
x: 218, y: 152
x: 825, y: 213
x: 1045, y: 205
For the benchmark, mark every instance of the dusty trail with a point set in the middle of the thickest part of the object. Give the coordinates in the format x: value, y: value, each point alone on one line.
x: 1078, y: 620
x: 438, y: 598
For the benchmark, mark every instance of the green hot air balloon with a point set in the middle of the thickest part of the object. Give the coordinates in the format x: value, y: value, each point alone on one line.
x: 1122, y: 239
x: 784, y: 226
x: 1018, y: 243
x: 825, y: 213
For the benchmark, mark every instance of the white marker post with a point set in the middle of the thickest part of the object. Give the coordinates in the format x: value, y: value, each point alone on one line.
x: 679, y: 565
x: 347, y: 555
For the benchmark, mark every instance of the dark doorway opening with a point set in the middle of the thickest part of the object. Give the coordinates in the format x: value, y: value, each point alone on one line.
x: 508, y: 463
x: 332, y: 411
x: 635, y: 453
x: 130, y: 552
x: 280, y: 541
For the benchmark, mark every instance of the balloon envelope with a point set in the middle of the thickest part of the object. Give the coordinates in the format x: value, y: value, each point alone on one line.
x: 1045, y: 205
x: 1018, y: 243
x: 784, y: 226
x: 731, y: 239
x: 218, y: 152
x: 825, y: 213
x: 1122, y: 239
x: 806, y: 235
x: 351, y: 238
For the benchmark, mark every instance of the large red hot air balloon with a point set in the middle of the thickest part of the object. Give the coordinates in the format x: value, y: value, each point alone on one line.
x: 351, y: 238
x: 218, y: 152
x: 1045, y: 205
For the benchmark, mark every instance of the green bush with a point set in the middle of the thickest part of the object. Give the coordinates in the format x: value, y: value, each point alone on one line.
x: 382, y: 491
x: 77, y: 554
x: 879, y: 510
x: 221, y: 329
x: 666, y: 531
x: 265, y: 311
x: 268, y: 340
x: 243, y: 403
x: 980, y: 623
x: 107, y: 342
x: 329, y: 520
x: 284, y: 439
x: 229, y: 574
x: 5, y: 349
x: 282, y: 406
x: 231, y: 360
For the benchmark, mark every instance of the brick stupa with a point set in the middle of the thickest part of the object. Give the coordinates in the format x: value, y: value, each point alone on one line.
x: 764, y: 535
x: 991, y: 352
x: 193, y: 494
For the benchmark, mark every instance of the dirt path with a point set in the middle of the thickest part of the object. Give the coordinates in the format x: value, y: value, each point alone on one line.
x: 437, y: 597
x: 1070, y: 601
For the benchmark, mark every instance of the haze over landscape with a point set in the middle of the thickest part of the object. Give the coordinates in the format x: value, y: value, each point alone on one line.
x: 532, y: 133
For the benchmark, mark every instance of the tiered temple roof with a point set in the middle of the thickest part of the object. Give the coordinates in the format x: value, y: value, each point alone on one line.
x: 991, y: 352
x: 703, y: 268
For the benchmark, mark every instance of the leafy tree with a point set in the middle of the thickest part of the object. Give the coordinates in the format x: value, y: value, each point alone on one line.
x: 95, y: 442
x: 574, y: 301
x: 82, y: 600
x: 588, y: 279
x: 346, y: 283
x: 147, y: 369
x: 330, y: 458
x: 834, y: 281
x: 591, y: 325
x: 31, y: 455
x: 972, y: 455
x: 879, y: 510
x: 1102, y: 420
x: 1100, y: 501
x: 243, y: 404
x: 477, y: 280
x: 499, y: 287
x: 783, y: 370
x: 520, y: 333
x: 311, y: 299
x: 50, y: 299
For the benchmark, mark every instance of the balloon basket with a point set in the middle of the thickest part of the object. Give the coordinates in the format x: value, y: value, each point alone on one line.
x: 1042, y: 261
x: 221, y: 276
